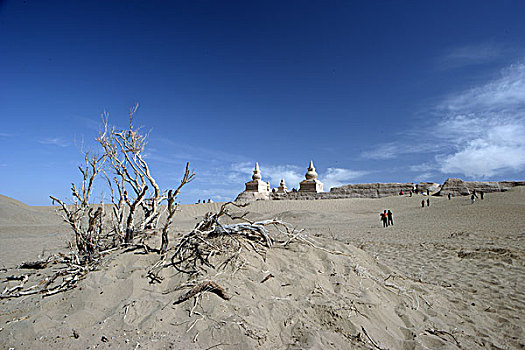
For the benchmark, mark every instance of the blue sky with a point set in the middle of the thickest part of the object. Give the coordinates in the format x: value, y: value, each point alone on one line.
x: 371, y: 91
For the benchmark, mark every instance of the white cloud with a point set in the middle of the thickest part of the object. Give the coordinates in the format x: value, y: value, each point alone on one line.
x: 479, y: 132
x: 470, y: 55
x: 425, y: 177
x: 486, y: 127
x: 503, y: 95
x: 501, y: 148
x: 389, y: 150
x: 291, y: 174
x: 335, y: 177
x: 393, y: 150
x: 424, y: 167
x: 56, y: 141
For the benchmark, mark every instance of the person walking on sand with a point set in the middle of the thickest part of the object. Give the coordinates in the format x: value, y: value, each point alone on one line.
x: 428, y: 202
x: 384, y: 218
x: 449, y: 195
x: 423, y: 203
x: 472, y: 199
x: 481, y: 194
x: 390, y: 219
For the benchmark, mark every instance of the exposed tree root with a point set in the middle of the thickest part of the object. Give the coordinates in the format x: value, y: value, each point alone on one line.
x: 204, y: 286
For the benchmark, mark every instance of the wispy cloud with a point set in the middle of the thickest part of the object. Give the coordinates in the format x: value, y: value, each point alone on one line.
x: 335, y: 177
x: 503, y: 95
x: 5, y: 134
x: 389, y: 150
x: 479, y: 132
x: 470, y: 55
x: 56, y: 141
x: 194, y: 152
x: 486, y: 127
x: 393, y: 150
x: 425, y: 177
x: 292, y: 174
x: 498, y: 148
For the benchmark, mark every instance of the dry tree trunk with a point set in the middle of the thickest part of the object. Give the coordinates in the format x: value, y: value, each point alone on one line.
x: 86, y: 238
x: 135, y: 195
x: 131, y: 216
x: 188, y: 177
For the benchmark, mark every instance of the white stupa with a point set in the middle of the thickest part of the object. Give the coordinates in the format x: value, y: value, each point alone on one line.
x: 310, y: 183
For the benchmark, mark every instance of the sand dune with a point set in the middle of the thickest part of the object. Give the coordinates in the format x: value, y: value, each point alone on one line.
x: 448, y: 276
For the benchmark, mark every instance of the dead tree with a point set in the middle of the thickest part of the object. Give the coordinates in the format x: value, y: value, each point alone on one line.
x: 214, y: 245
x: 86, y: 224
x: 135, y: 195
x: 133, y: 188
x: 172, y: 208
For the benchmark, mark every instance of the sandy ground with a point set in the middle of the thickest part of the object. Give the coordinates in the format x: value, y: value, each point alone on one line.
x: 446, y: 276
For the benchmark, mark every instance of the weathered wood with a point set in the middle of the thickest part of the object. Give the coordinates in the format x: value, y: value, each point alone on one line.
x: 204, y: 286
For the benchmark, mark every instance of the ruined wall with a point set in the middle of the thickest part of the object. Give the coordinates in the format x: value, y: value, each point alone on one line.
x: 374, y: 190
x: 458, y: 187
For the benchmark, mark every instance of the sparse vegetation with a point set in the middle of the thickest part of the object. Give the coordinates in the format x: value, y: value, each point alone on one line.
x: 136, y: 198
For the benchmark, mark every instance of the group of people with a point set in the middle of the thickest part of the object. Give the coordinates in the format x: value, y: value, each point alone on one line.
x: 474, y: 196
x: 386, y: 218
x: 204, y: 201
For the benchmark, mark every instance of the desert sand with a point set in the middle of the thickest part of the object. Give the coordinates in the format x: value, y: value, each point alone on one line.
x: 448, y: 276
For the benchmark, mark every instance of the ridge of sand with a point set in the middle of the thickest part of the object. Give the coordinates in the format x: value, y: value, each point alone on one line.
x: 448, y: 276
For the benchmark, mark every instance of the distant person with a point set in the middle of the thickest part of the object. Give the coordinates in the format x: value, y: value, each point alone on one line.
x: 401, y: 192
x: 390, y: 219
x: 428, y: 192
x: 449, y: 196
x: 410, y: 193
x: 428, y: 202
x: 423, y: 203
x: 481, y: 194
x: 472, y: 198
x: 384, y: 218
x: 474, y: 193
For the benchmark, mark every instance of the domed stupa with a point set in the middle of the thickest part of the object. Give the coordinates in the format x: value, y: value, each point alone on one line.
x: 310, y: 183
x: 282, y: 187
x: 256, y: 188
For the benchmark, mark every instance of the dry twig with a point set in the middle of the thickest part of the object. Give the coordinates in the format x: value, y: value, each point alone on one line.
x: 204, y: 286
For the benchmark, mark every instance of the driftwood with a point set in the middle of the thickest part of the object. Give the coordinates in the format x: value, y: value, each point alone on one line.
x: 64, y: 278
x: 267, y: 278
x: 212, y: 244
x: 204, y: 286
x: 440, y: 334
x: 39, y: 264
